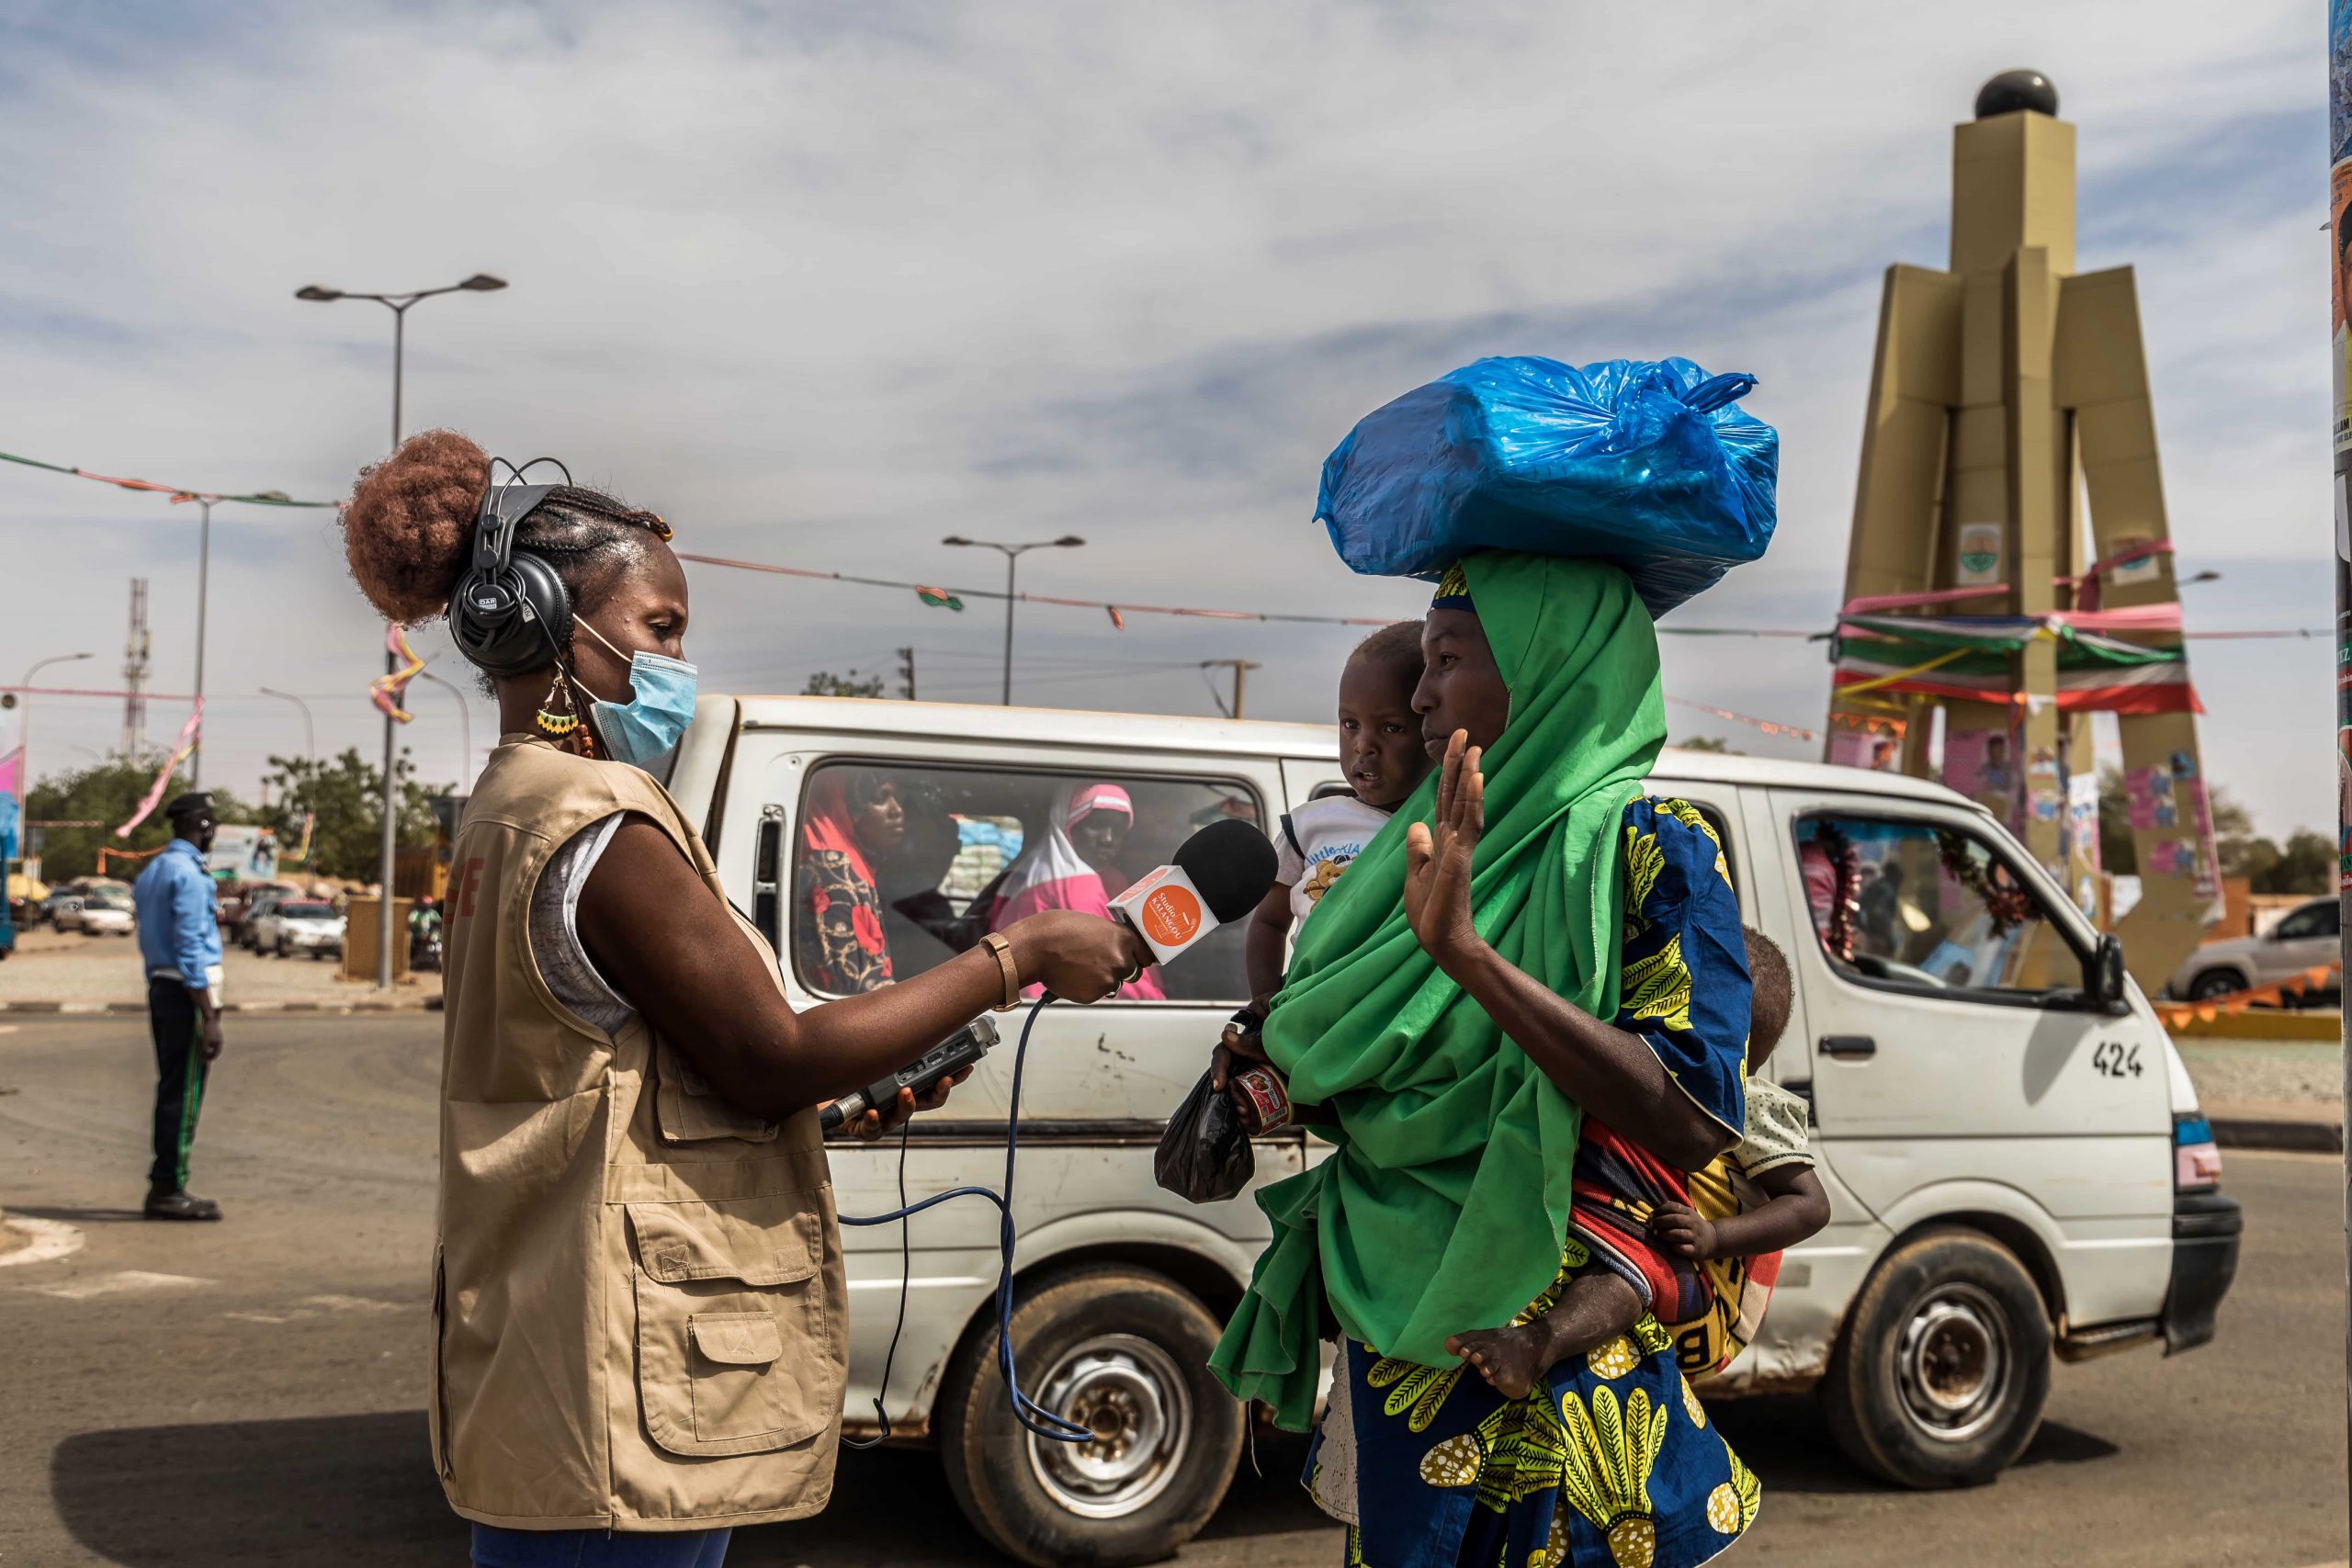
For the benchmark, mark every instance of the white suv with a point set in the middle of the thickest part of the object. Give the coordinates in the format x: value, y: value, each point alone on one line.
x: 2304, y: 939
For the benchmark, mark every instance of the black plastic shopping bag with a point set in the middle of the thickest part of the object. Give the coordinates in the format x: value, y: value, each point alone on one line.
x: 1204, y: 1156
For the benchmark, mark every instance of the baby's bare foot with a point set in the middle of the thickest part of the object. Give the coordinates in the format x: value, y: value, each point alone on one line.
x: 1509, y: 1359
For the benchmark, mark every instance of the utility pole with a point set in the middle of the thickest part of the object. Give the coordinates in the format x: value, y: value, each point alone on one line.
x: 907, y: 674
x: 1240, y: 668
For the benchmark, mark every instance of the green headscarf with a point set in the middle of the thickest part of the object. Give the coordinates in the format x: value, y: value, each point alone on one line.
x: 1443, y: 1206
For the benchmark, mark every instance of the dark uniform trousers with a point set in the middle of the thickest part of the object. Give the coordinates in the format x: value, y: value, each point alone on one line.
x: 180, y: 1072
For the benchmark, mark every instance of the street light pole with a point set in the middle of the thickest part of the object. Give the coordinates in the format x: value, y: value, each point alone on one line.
x: 310, y: 732
x: 203, y: 576
x: 1012, y: 554
x: 25, y: 719
x: 480, y: 283
x: 465, y: 725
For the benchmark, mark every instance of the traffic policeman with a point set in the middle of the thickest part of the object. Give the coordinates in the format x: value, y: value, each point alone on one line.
x: 178, y: 912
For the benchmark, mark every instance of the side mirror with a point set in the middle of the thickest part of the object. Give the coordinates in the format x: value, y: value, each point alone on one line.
x: 2103, y: 974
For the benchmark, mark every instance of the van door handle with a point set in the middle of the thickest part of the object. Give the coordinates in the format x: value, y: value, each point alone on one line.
x: 1853, y: 1045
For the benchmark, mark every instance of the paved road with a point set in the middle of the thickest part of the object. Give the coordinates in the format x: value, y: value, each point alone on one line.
x: 251, y: 1394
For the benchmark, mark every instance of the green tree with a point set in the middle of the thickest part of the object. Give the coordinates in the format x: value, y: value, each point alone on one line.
x: 825, y: 683
x: 107, y: 794
x: 346, y: 795
x: 1706, y: 743
x: 2306, y: 865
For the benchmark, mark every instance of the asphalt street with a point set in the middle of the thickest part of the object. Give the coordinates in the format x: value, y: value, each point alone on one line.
x: 252, y: 1393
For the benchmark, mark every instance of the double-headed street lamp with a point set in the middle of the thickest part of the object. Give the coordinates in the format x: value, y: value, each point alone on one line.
x: 480, y: 283
x: 1012, y: 554
x: 25, y: 719
x: 398, y: 304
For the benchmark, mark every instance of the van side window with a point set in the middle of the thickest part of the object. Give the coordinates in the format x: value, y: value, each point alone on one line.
x: 1923, y: 906
x: 898, y: 866
x: 2312, y: 920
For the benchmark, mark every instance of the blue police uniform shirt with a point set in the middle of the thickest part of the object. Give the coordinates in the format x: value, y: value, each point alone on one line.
x: 178, y: 911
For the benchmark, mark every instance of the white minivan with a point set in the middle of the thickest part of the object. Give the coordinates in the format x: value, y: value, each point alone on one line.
x: 2016, y: 1166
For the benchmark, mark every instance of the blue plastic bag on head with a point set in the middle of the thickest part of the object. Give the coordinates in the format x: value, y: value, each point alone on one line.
x: 1644, y: 463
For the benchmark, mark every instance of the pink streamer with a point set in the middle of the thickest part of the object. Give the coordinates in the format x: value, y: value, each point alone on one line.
x: 180, y: 749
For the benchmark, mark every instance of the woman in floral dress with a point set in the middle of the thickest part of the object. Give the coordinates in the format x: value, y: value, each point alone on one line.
x: 854, y: 816
x: 1531, y: 939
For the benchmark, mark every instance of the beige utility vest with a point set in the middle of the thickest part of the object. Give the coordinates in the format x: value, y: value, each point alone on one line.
x: 639, y: 1316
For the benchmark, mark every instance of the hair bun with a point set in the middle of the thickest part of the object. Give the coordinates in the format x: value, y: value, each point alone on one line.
x: 410, y: 524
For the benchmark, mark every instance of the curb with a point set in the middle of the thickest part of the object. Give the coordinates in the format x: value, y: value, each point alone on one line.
x: 2303, y: 1137
x: 401, y: 1004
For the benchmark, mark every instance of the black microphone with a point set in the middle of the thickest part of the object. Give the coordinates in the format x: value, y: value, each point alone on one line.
x: 1218, y: 875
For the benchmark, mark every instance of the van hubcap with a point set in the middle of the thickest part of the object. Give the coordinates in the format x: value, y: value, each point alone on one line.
x: 1128, y: 1392
x: 1952, y: 1362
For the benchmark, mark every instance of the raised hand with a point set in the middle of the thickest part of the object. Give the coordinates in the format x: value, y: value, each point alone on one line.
x: 1438, y: 856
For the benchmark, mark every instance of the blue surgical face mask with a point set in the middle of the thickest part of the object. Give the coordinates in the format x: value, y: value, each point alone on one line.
x: 648, y: 727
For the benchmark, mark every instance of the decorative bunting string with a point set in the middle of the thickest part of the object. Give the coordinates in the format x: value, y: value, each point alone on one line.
x: 106, y: 854
x: 952, y: 599
x: 2317, y: 978
x: 1769, y: 726
x: 177, y: 492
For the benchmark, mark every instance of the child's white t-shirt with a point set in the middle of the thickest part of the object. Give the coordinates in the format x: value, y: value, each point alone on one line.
x: 1318, y: 841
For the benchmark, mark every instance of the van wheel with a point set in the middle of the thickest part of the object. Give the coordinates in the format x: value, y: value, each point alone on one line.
x: 1941, y: 1374
x: 1124, y: 1352
x: 2214, y: 983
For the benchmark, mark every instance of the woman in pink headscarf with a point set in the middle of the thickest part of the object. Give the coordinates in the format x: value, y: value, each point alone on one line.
x: 1066, y: 868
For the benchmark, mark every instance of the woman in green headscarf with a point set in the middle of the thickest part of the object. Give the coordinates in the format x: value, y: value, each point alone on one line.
x: 1529, y: 940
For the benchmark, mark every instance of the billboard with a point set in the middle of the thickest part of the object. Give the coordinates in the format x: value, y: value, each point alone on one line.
x: 241, y: 854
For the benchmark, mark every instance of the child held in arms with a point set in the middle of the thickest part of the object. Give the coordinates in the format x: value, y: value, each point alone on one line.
x: 1382, y: 754
x: 1687, y: 1262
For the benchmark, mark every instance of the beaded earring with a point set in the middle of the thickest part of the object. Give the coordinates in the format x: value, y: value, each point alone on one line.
x: 558, y: 726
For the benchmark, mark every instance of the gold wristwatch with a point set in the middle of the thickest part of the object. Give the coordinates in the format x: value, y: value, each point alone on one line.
x: 997, y: 943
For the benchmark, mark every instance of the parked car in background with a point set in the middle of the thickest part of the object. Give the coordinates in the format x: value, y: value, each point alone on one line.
x: 303, y: 925
x: 254, y: 910
x: 2304, y: 938
x: 62, y: 909
x: 104, y: 914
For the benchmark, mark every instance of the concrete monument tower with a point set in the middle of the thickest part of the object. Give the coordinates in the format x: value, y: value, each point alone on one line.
x: 2003, y: 390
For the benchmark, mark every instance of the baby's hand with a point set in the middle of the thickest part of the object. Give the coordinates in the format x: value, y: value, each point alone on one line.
x: 1683, y: 1230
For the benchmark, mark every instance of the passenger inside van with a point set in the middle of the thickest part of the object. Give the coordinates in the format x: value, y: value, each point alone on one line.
x: 1073, y: 865
x: 854, y: 819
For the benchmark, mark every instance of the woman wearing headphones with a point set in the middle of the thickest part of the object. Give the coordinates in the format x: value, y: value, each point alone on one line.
x: 640, y: 1335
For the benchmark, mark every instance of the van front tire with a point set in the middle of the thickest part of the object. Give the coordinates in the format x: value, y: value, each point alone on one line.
x: 1940, y: 1377
x: 1127, y: 1352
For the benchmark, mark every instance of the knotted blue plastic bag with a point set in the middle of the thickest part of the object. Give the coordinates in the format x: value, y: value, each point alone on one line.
x: 1644, y: 463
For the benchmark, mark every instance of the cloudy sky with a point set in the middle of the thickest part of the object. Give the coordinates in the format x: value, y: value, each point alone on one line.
x: 823, y: 282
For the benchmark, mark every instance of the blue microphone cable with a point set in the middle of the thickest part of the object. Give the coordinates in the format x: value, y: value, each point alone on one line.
x: 1034, y: 1416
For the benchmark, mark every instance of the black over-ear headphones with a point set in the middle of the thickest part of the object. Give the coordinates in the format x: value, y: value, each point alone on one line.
x: 510, y: 612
